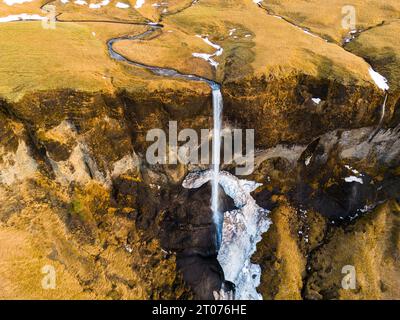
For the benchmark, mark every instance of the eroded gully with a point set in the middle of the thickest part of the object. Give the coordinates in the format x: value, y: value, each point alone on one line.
x: 237, y: 231
x: 249, y: 289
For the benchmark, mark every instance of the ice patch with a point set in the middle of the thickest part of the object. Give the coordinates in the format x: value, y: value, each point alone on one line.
x: 122, y: 5
x: 354, y: 179
x: 139, y: 4
x: 379, y: 80
x: 242, y: 230
x: 80, y: 2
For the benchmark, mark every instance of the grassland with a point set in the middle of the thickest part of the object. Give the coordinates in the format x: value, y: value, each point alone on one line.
x: 325, y: 17
x: 35, y: 58
x: 380, y: 47
x: 170, y: 48
x: 32, y: 7
x: 265, y: 45
x: 74, y: 55
x: 71, y: 11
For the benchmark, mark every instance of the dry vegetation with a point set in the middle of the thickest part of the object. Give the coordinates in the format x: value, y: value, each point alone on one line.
x: 74, y: 55
x: 91, y: 260
x: 325, y: 17
x: 259, y: 45
x: 380, y: 46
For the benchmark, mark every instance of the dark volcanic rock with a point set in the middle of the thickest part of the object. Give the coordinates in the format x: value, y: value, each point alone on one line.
x: 203, y: 273
x: 188, y: 229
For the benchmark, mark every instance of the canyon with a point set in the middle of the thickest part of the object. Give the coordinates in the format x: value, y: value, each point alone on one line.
x: 77, y: 192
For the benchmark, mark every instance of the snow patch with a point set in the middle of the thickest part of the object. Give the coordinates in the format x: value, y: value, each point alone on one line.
x: 80, y: 2
x: 139, y: 4
x: 379, y: 80
x: 308, y: 160
x: 316, y: 100
x: 208, y: 57
x: 122, y: 5
x: 99, y: 5
x: 21, y: 17
x: 12, y: 2
x: 352, y: 170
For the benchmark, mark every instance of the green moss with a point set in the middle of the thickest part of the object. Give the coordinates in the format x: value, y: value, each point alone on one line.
x: 77, y: 209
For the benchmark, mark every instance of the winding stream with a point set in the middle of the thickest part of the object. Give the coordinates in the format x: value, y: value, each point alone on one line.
x: 217, y: 103
x: 217, y: 115
x: 237, y: 231
x: 165, y: 72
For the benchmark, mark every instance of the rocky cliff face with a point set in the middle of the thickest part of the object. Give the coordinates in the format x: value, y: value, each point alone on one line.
x: 63, y: 169
x: 79, y: 196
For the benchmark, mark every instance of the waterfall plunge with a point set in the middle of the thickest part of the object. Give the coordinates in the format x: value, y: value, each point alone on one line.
x: 216, y: 158
x: 239, y: 230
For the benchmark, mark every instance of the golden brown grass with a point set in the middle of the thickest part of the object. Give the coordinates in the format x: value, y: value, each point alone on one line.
x: 172, y: 48
x: 71, y: 11
x: 380, y: 47
x: 89, y: 258
x: 325, y: 17
x: 268, y: 45
x: 39, y: 59
x: 74, y: 55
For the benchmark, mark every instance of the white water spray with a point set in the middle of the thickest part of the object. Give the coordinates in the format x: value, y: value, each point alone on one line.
x: 216, y: 158
x: 242, y: 230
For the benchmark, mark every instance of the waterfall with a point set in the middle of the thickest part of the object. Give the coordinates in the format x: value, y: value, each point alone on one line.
x: 216, y: 158
x: 383, y: 111
x: 242, y: 229
x: 239, y: 231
